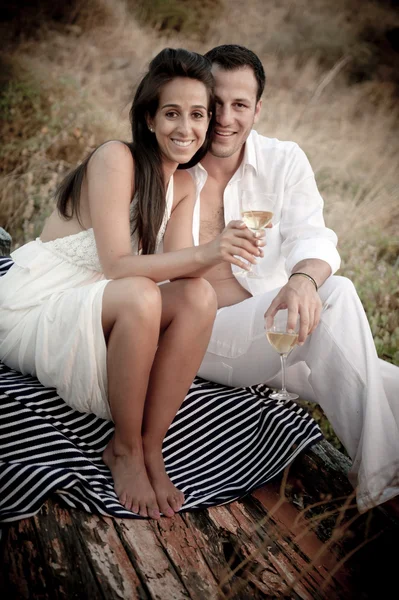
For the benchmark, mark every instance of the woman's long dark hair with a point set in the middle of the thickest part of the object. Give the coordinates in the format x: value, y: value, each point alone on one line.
x: 148, y: 175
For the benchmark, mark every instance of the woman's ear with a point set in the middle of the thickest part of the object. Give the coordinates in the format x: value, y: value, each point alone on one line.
x: 149, y: 123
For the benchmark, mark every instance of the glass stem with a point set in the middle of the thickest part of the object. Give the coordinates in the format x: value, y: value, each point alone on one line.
x: 283, y: 358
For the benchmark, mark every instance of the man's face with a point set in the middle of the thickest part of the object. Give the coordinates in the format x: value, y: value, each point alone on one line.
x: 236, y: 109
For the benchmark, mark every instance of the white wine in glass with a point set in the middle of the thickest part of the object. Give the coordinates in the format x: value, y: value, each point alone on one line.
x: 256, y: 219
x: 283, y: 341
x: 256, y: 212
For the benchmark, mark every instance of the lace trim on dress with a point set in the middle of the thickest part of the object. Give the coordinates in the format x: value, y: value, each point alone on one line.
x: 79, y: 249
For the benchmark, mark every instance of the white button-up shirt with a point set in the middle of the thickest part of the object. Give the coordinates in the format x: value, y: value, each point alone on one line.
x: 299, y: 232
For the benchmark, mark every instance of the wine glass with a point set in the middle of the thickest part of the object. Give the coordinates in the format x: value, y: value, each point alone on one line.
x: 256, y: 212
x: 283, y: 341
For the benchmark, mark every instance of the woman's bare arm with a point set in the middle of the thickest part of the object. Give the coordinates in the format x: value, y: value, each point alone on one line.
x: 110, y: 179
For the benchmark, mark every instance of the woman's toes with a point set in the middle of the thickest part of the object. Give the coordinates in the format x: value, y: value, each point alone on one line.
x: 135, y: 507
x: 176, y: 501
x: 174, y: 504
x: 143, y: 510
x: 153, y: 512
x: 128, y: 503
x: 166, y: 508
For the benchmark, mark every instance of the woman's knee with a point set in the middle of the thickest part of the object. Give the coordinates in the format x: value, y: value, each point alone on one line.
x: 142, y: 297
x: 199, y: 297
x: 134, y: 298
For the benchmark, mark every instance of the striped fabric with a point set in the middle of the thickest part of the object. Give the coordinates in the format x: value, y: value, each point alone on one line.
x: 5, y: 264
x: 223, y: 443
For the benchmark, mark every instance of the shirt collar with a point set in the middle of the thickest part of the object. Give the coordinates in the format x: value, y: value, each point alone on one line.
x: 200, y: 176
x: 250, y: 153
x: 249, y: 160
x: 248, y: 166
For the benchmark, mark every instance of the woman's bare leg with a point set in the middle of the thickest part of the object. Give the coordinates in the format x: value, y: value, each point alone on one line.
x: 131, y: 315
x: 188, y: 312
x: 137, y: 382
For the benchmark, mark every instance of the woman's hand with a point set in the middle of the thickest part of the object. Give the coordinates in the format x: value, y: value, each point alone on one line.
x: 236, y: 245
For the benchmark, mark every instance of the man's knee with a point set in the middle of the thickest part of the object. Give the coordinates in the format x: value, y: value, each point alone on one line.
x: 340, y: 301
x: 339, y: 285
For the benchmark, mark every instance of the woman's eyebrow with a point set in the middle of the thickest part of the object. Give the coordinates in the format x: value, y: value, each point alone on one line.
x: 178, y: 106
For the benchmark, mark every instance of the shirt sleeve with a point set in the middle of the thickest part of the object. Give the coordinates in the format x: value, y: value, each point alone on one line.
x: 302, y: 224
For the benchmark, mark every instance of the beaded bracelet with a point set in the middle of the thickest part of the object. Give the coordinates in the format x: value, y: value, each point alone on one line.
x: 307, y: 277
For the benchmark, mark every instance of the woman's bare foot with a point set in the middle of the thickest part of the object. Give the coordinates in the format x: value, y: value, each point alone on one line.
x: 131, y: 482
x: 169, y: 498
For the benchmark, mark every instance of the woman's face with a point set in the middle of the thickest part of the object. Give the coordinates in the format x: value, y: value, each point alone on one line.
x: 181, y: 121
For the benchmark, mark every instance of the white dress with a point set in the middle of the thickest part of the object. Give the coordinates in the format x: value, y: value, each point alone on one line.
x: 50, y: 316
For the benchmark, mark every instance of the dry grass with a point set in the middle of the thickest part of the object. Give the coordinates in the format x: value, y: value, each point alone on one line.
x: 335, y: 520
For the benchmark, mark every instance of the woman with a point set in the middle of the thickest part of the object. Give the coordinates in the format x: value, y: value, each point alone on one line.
x: 81, y: 308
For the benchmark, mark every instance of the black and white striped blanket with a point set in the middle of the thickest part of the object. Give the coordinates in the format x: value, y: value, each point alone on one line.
x: 223, y: 443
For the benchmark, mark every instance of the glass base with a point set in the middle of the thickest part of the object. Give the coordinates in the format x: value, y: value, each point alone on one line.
x: 283, y: 395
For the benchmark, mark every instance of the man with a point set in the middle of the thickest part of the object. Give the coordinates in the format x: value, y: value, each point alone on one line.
x: 336, y: 362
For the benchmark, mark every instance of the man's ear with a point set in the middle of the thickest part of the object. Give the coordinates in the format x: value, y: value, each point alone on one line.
x: 257, y: 110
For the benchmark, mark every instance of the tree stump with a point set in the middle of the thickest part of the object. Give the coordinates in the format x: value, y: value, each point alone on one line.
x: 299, y: 537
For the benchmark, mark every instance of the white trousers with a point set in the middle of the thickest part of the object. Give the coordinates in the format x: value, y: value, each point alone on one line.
x: 337, y: 367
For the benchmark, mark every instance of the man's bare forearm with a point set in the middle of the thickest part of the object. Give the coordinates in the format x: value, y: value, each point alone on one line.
x: 318, y: 269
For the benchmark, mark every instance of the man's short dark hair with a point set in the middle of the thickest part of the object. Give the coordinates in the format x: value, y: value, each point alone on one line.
x: 232, y: 56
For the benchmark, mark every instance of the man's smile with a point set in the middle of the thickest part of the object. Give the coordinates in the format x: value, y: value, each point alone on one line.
x: 224, y: 133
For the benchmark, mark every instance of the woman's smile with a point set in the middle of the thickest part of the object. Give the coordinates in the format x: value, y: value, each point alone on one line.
x: 183, y: 143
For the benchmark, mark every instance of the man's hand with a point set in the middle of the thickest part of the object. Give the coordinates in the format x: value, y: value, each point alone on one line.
x: 299, y: 296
